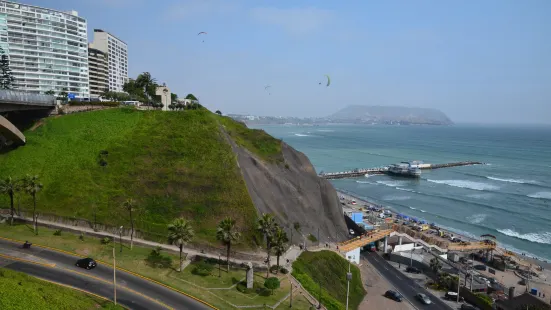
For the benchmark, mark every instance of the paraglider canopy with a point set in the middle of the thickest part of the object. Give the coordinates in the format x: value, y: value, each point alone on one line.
x: 328, y: 80
x: 202, y: 32
x: 267, y: 87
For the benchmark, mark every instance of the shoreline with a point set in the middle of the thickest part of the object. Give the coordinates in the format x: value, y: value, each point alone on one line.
x: 500, y: 248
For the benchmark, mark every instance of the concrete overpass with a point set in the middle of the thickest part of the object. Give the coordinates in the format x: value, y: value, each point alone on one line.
x: 12, y: 100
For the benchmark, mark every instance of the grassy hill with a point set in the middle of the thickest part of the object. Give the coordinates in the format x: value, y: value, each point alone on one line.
x: 173, y: 163
x: 20, y: 291
x: 329, y: 269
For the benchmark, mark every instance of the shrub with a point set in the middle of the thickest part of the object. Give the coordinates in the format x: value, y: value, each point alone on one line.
x: 284, y: 270
x: 484, y: 299
x: 156, y: 260
x: 95, y: 103
x: 286, y: 166
x: 202, y: 269
x: 273, y: 269
x: 312, y: 238
x: 106, y: 240
x: 272, y: 284
x: 57, y: 232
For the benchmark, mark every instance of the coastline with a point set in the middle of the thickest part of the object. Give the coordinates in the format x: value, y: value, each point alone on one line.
x: 502, y: 249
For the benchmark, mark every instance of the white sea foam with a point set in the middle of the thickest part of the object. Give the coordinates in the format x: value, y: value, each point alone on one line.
x: 477, y: 218
x: 543, y: 237
x: 325, y: 130
x: 541, y: 195
x: 406, y: 190
x: 301, y: 135
x: 481, y: 196
x: 392, y: 183
x: 412, y: 208
x: 423, y: 211
x: 396, y: 198
x: 364, y: 182
x: 518, y: 181
x: 479, y: 186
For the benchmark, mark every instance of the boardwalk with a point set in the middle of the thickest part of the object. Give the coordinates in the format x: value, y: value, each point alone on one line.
x: 364, y: 240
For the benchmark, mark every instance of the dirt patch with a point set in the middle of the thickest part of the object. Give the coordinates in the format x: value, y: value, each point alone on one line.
x: 84, y: 251
x: 38, y: 124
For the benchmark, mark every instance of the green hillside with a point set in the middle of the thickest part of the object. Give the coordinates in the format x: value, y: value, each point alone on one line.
x: 20, y: 291
x: 329, y: 269
x: 172, y: 163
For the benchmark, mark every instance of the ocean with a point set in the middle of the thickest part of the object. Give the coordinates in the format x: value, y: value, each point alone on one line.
x: 510, y: 197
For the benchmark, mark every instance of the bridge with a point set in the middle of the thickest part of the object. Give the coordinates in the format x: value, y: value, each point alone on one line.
x: 12, y: 100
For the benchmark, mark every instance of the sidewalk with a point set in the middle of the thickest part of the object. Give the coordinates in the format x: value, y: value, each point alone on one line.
x: 292, y: 253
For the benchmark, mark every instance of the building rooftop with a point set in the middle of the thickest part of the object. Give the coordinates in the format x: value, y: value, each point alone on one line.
x: 101, y: 30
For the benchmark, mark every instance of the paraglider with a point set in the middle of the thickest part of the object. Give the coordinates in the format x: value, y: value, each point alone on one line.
x: 200, y: 33
x: 266, y: 88
x: 328, y: 81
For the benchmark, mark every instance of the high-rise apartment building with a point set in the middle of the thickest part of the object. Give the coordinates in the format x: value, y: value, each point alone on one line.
x: 47, y: 48
x: 117, y: 52
x: 99, y: 72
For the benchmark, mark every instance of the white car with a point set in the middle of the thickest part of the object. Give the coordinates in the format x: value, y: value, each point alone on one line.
x: 351, y: 231
x: 423, y: 298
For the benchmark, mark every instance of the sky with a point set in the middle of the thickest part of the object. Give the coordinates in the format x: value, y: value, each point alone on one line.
x: 477, y: 61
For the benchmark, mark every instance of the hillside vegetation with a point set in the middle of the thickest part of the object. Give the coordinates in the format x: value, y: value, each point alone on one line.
x: 20, y: 291
x: 329, y: 269
x: 173, y: 163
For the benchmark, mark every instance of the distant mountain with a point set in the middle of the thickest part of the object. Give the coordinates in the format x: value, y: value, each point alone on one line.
x: 390, y: 115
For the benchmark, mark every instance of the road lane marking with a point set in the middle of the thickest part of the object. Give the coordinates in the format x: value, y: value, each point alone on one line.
x: 26, y: 261
x: 75, y: 288
x: 118, y: 268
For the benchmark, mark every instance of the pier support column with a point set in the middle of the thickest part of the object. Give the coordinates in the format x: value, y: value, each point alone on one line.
x: 400, y: 240
x: 385, y: 248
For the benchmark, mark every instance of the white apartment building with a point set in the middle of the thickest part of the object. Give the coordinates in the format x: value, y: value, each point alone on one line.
x: 117, y: 52
x: 47, y: 48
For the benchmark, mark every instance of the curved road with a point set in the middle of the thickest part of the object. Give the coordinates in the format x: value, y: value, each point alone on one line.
x: 405, y: 285
x: 132, y: 291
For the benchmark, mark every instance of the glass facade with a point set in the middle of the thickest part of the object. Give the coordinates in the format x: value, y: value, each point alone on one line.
x: 48, y: 49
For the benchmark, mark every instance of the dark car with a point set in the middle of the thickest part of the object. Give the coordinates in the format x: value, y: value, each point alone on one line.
x: 86, y: 263
x: 423, y: 298
x: 468, y: 307
x: 480, y: 267
x: 413, y: 270
x: 394, y: 295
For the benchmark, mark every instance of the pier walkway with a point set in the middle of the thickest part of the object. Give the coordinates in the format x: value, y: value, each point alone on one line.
x: 384, y: 170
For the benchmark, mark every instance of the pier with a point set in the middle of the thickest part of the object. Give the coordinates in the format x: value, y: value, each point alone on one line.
x: 384, y: 170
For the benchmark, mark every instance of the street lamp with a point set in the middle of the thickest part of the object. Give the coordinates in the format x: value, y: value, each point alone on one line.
x: 219, y: 265
x: 120, y: 237
x: 348, y: 279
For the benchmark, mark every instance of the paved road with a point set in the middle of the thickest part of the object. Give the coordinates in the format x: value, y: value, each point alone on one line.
x: 405, y: 285
x: 132, y: 292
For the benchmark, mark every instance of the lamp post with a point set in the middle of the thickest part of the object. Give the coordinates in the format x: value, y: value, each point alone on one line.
x: 114, y: 278
x: 120, y: 237
x: 291, y: 299
x: 219, y: 265
x: 348, y: 279
x: 411, y: 256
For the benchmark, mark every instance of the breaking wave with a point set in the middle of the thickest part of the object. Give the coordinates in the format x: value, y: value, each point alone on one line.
x: 477, y: 218
x: 544, y: 237
x: 396, y: 198
x: 479, y: 186
x: 392, y: 183
x: 541, y: 195
x: 518, y: 181
x: 302, y: 135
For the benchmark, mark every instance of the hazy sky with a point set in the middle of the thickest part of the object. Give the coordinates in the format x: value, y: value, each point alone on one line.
x: 478, y: 61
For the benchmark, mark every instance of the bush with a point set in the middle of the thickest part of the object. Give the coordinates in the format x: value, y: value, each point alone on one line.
x: 284, y: 270
x: 106, y: 240
x: 312, y: 238
x: 273, y: 269
x: 242, y: 287
x: 202, y: 269
x: 95, y: 103
x: 57, y: 232
x: 272, y: 284
x: 484, y: 299
x: 156, y: 260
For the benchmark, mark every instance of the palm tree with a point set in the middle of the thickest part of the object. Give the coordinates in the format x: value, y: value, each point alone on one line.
x: 129, y: 205
x: 266, y: 225
x: 32, y: 186
x: 180, y: 232
x: 278, y: 243
x: 226, y: 232
x: 9, y: 187
x: 147, y: 83
x: 435, y: 265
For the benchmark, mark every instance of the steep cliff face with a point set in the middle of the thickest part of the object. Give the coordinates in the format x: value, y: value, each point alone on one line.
x: 293, y: 193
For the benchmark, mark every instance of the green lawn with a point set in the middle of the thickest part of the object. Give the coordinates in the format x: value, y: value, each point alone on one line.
x: 20, y: 291
x: 135, y: 260
x: 256, y: 141
x: 172, y: 163
x: 329, y: 269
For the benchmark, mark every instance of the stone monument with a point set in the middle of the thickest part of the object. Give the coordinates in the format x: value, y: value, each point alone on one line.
x: 250, y: 275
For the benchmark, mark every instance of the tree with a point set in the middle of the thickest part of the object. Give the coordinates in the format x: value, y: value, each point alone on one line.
x: 130, y: 205
x: 32, y: 186
x: 9, y: 187
x: 180, y: 232
x: 146, y: 82
x: 173, y: 97
x: 228, y: 234
x: 435, y: 265
x: 278, y: 243
x: 272, y: 284
x: 62, y: 95
x: 218, y: 112
x: 191, y: 97
x: 6, y: 75
x: 50, y: 92
x: 266, y: 225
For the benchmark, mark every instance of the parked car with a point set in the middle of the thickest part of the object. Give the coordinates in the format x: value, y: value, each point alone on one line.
x: 86, y: 263
x: 480, y: 267
x: 423, y: 298
x: 451, y: 296
x: 394, y: 295
x: 412, y: 269
x: 468, y: 307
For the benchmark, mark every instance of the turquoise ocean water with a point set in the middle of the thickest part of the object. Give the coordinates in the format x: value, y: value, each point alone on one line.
x: 509, y: 198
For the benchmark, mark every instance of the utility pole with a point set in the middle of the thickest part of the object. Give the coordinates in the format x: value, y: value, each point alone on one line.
x: 219, y: 265
x: 458, y: 283
x: 348, y: 279
x: 411, y: 256
x: 472, y: 263
x: 114, y: 278
x: 319, y: 236
x: 120, y: 237
x: 291, y: 299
